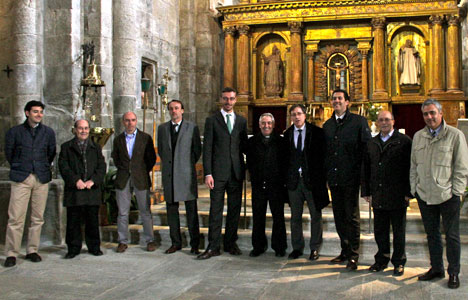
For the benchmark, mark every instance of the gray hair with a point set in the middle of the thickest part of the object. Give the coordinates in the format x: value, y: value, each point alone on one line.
x: 432, y: 101
x: 266, y: 115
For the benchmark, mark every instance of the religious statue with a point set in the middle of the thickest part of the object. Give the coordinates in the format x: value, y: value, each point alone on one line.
x: 409, y: 64
x: 273, y: 76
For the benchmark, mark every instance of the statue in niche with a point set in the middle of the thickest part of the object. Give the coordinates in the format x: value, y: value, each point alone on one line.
x: 409, y: 64
x: 337, y: 72
x: 273, y: 76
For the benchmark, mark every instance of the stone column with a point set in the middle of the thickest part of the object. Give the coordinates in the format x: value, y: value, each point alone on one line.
x: 437, y: 54
x: 295, y: 91
x: 229, y: 56
x: 453, y: 54
x: 126, y: 57
x: 243, y: 70
x: 378, y: 25
x: 364, y: 47
x: 311, y: 49
x: 26, y: 75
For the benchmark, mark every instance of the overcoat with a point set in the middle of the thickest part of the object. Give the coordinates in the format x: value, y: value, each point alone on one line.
x: 179, y: 176
x: 72, y: 168
x: 314, y: 170
x: 139, y: 166
x: 387, y: 167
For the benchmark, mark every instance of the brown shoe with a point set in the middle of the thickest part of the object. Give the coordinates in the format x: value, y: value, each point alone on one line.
x: 172, y: 249
x: 208, y: 254
x: 151, y: 246
x: 121, y: 248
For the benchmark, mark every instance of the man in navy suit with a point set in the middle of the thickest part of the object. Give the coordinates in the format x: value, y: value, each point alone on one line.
x: 225, y: 138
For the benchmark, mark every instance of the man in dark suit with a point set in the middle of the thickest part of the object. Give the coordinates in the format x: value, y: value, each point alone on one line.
x: 134, y: 157
x: 83, y: 168
x: 347, y: 135
x: 305, y: 157
x: 267, y: 172
x: 387, y: 188
x: 179, y: 147
x: 225, y: 138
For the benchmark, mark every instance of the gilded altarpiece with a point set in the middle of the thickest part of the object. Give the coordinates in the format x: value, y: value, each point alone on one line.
x: 279, y: 53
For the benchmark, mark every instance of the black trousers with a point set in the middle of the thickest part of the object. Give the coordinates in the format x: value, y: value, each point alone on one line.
x: 345, y: 201
x: 297, y: 198
x: 233, y: 188
x: 192, y: 223
x: 382, y: 221
x: 76, y: 216
x: 260, y: 198
x: 450, y: 212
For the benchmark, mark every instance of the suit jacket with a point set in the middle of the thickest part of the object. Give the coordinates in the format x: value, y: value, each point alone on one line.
x: 179, y: 176
x: 142, y: 162
x: 314, y: 159
x: 72, y: 168
x: 222, y: 150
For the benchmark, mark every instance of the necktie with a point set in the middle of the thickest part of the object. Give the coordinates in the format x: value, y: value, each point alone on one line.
x: 299, y: 142
x: 434, y: 134
x: 228, y: 122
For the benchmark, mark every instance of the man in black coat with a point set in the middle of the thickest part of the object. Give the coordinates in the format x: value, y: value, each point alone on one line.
x: 30, y: 149
x: 225, y: 138
x: 387, y: 188
x: 346, y: 135
x: 82, y: 167
x: 305, y: 156
x: 267, y: 171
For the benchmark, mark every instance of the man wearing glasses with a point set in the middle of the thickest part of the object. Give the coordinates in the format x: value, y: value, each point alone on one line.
x: 387, y: 188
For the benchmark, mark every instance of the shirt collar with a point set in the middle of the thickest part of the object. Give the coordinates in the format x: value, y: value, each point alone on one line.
x: 131, y: 135
x: 302, y: 128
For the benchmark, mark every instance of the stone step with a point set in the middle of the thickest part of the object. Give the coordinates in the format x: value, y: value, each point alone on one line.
x: 416, y: 244
x: 413, y: 225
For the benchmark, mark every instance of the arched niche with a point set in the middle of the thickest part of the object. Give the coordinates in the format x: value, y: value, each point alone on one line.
x: 397, y: 38
x: 264, y: 46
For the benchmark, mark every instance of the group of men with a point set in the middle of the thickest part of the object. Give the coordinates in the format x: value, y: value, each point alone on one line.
x: 295, y: 168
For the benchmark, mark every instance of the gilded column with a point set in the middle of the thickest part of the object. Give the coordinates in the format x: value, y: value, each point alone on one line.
x: 229, y: 56
x: 437, y: 53
x: 243, y: 74
x: 364, y: 47
x: 453, y: 54
x: 380, y: 91
x: 295, y: 92
x: 311, y: 49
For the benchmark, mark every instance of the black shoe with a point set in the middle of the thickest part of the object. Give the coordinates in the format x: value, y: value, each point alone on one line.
x: 399, y: 270
x: 10, y: 262
x: 234, y: 250
x: 34, y: 257
x: 70, y: 255
x: 352, y: 265
x: 96, y: 253
x: 314, y: 255
x: 339, y: 259
x: 195, y: 250
x: 377, y: 267
x: 431, y: 274
x: 256, y: 252
x: 208, y: 254
x: 280, y: 253
x: 295, y: 254
x: 454, y: 282
x: 173, y: 249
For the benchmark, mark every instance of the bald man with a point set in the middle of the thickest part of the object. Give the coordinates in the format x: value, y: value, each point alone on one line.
x: 134, y: 157
x: 387, y: 188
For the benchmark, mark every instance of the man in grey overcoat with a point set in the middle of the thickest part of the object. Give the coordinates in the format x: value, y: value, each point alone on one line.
x: 179, y: 147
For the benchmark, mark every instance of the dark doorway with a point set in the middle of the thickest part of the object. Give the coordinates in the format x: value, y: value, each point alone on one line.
x: 409, y: 117
x: 278, y: 112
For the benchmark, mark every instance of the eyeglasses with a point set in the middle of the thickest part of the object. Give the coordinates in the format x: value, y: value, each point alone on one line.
x: 297, y: 114
x: 384, y: 120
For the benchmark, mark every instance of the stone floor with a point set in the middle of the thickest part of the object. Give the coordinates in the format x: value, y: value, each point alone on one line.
x: 137, y: 274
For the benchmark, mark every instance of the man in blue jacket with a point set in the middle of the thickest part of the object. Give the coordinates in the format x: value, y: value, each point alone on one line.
x: 30, y: 149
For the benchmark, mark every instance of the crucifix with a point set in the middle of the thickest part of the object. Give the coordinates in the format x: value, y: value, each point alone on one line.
x: 8, y: 71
